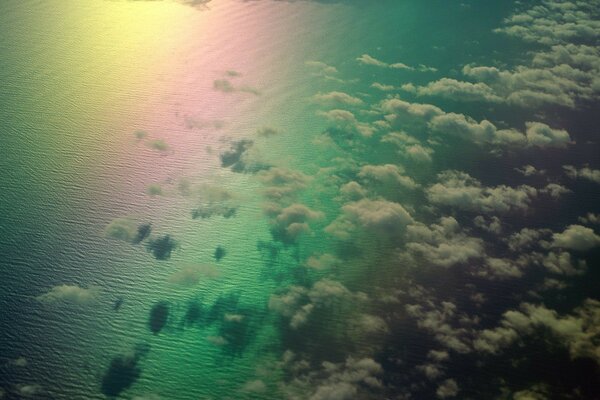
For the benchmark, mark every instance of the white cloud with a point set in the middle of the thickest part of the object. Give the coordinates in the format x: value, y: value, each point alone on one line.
x: 337, y: 98
x: 458, y: 90
x: 576, y: 237
x: 368, y: 60
x: 459, y: 190
x: 539, y: 134
x: 582, y: 173
x: 380, y: 216
x: 70, y: 294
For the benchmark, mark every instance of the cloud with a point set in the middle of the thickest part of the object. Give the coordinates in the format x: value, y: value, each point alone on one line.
x: 554, y: 190
x: 353, y: 191
x: 346, y: 119
x: 383, y: 87
x: 388, y: 174
x: 354, y: 378
x: 29, y: 390
x: 69, y: 294
x: 337, y: 98
x: 530, y: 170
x: 526, y: 238
x: 575, y: 331
x: 290, y: 222
x: 383, y: 217
x: 282, y: 185
x: 409, y: 147
x: 441, y: 320
x: 457, y: 90
x: 447, y: 388
x: 449, y: 124
x: 322, y: 261
x: 366, y: 59
x: 255, y: 386
x: 442, y: 244
x: 297, y: 303
x: 539, y: 134
x: 494, y: 225
x: 321, y: 67
x: 590, y: 219
x: 122, y: 229
x: 586, y: 173
x: 192, y: 274
x: 459, y: 190
x: 576, y: 237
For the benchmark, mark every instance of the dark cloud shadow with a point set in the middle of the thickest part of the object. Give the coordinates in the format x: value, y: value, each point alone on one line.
x: 123, y: 371
x: 162, y: 247
x: 159, y: 316
x: 220, y: 252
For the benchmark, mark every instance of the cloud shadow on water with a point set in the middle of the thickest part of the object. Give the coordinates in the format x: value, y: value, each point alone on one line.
x: 159, y: 316
x: 123, y: 371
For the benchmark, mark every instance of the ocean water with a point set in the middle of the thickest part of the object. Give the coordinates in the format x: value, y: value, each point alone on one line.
x: 119, y: 116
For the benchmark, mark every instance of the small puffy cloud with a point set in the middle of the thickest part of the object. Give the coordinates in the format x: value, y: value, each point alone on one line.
x: 561, y: 263
x: 460, y: 190
x: 380, y: 216
x: 368, y: 60
x: 590, y: 219
x: 347, y: 119
x: 290, y: 222
x: 322, y: 261
x: 586, y: 173
x: 321, y: 67
x: 446, y: 389
x: 29, y: 390
x: 297, y: 303
x: 192, y: 274
x: 353, y: 191
x: 576, y: 237
x: 525, y: 238
x: 576, y: 331
x: 499, y: 268
x: 337, y: 98
x: 530, y: 170
x: 540, y: 134
x: 388, y: 174
x: 282, y: 184
x: 69, y: 294
x: 555, y: 190
x: 442, y: 244
x: 449, y: 327
x: 122, y: 229
x: 491, y: 225
x: 458, y: 91
x: 256, y: 386
x: 383, y: 87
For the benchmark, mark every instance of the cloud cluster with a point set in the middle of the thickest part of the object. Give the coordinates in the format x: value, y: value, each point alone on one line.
x: 385, y: 218
x: 297, y: 303
x: 443, y: 124
x: 461, y: 191
x: 578, y: 332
